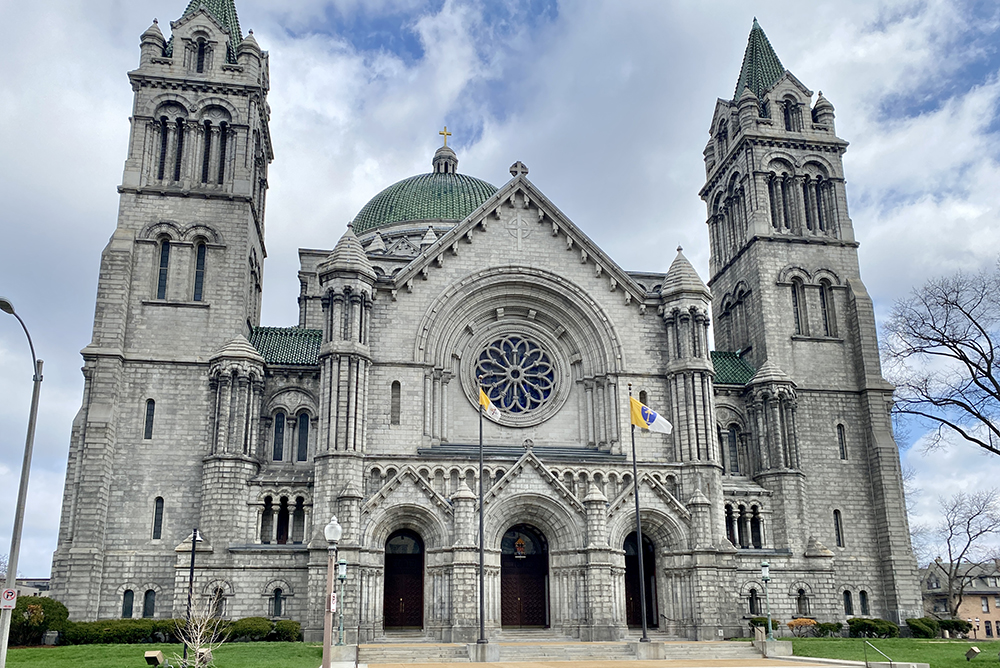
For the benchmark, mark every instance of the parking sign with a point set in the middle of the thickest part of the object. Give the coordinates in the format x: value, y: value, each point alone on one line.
x: 8, y: 599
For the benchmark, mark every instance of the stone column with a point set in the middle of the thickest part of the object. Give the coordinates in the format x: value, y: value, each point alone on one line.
x: 600, y: 623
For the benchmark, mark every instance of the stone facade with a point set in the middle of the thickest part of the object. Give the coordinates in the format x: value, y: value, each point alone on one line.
x: 195, y: 416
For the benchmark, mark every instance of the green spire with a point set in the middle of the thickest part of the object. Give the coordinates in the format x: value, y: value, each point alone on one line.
x: 761, y: 67
x: 224, y: 12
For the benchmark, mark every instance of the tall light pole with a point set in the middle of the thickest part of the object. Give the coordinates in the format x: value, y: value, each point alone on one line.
x: 341, y: 577
x: 765, y: 577
x: 22, y: 490
x: 195, y: 539
x: 332, y: 531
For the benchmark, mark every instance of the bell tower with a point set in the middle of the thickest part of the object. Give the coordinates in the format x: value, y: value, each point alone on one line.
x: 789, y: 300
x: 179, y: 280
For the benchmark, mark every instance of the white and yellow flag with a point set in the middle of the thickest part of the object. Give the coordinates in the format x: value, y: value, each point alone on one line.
x: 492, y: 412
x: 645, y: 417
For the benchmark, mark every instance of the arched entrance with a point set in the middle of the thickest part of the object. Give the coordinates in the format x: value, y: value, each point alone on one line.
x: 403, y: 606
x: 633, y: 614
x: 524, y: 577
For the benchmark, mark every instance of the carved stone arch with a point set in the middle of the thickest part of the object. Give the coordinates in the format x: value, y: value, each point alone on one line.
x: 225, y: 585
x: 430, y: 526
x: 780, y: 162
x: 791, y: 272
x: 155, y: 231
x: 726, y: 416
x: 286, y: 398
x: 733, y: 183
x: 204, y: 107
x: 286, y: 589
x: 668, y: 533
x: 150, y: 585
x: 128, y: 585
x: 740, y: 290
x: 818, y: 166
x: 196, y: 231
x: 564, y: 529
x: 829, y: 275
x: 793, y: 589
x: 171, y: 105
x: 751, y: 584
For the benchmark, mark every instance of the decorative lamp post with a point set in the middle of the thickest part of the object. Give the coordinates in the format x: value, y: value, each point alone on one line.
x: 341, y: 577
x: 22, y: 491
x: 332, y: 531
x: 195, y: 539
x: 765, y: 577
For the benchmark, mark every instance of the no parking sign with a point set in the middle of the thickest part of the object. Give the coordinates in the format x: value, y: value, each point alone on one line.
x: 8, y: 599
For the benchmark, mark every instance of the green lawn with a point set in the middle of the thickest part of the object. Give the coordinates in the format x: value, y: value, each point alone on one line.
x: 938, y: 653
x: 236, y: 655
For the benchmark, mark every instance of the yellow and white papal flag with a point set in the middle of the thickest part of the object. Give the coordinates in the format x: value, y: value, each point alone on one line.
x: 645, y: 417
x: 492, y: 412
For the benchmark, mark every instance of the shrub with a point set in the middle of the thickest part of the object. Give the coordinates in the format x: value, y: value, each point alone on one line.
x: 924, y: 627
x: 120, y: 631
x: 954, y: 625
x: 801, y: 627
x: 827, y: 629
x: 248, y: 629
x: 33, y: 616
x: 286, y: 631
x: 872, y: 628
x: 762, y: 622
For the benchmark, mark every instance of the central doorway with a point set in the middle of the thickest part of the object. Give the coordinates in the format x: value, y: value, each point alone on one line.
x: 524, y: 578
x: 633, y: 613
x: 403, y: 606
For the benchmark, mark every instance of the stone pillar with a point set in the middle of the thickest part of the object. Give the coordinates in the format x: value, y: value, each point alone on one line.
x: 601, y: 622
x: 464, y: 590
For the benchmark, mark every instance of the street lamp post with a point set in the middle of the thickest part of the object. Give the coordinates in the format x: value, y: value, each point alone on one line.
x: 332, y: 531
x: 195, y: 539
x: 22, y: 491
x: 765, y: 577
x: 341, y: 577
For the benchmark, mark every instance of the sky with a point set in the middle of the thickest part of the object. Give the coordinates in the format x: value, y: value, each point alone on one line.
x: 608, y: 102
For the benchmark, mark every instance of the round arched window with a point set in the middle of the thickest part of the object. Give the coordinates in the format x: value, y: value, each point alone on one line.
x: 517, y: 374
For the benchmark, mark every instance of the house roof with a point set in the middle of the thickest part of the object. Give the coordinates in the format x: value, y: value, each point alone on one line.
x: 287, y: 345
x: 731, y: 369
x: 761, y: 68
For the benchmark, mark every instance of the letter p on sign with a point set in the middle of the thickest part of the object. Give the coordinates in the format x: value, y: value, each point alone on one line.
x: 8, y: 599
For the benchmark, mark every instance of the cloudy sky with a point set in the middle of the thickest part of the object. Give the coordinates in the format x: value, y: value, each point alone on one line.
x: 607, y: 102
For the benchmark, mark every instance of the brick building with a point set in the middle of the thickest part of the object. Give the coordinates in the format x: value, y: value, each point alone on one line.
x: 195, y: 415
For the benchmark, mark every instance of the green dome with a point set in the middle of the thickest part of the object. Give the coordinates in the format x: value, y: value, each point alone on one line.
x: 434, y: 196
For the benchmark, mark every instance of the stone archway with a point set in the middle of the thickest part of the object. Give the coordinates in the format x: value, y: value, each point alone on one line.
x: 633, y: 613
x: 524, y: 578
x: 403, y: 597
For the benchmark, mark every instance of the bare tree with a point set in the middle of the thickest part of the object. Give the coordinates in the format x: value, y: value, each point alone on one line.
x: 921, y: 536
x: 3, y: 566
x: 939, y: 351
x: 969, y: 519
x: 201, y: 636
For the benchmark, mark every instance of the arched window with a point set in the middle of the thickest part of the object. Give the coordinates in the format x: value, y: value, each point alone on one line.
x: 395, y: 402
x: 127, y: 599
x: 206, y: 158
x: 799, y: 307
x: 267, y: 521
x: 281, y: 531
x: 733, y: 444
x: 842, y: 441
x: 756, y: 531
x: 158, y: 518
x: 863, y: 599
x: 643, y: 398
x: 277, y: 603
x: 826, y: 305
x: 848, y: 603
x: 838, y: 528
x: 223, y: 128
x: 147, y: 432
x: 164, y: 136
x: 278, y: 451
x: 802, y: 604
x: 299, y: 521
x: 199, y: 272
x: 161, y: 276
x: 202, y: 52
x: 180, y: 149
x: 754, y: 603
x: 302, y: 452
x: 217, y: 607
x: 723, y: 137
x: 149, y: 604
x: 731, y: 525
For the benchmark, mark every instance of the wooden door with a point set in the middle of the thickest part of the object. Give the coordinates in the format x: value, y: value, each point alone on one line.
x: 524, y: 566
x: 403, y: 604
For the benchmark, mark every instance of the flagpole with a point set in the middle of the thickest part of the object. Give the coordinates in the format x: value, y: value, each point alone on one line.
x: 482, y: 601
x: 638, y: 527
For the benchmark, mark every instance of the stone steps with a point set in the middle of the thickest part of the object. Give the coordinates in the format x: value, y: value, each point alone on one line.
x: 400, y: 652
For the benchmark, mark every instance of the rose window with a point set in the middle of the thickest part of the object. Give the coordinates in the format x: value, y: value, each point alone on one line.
x: 517, y: 375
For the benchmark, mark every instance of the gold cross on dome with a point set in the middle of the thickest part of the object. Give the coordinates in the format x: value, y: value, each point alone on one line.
x: 444, y: 133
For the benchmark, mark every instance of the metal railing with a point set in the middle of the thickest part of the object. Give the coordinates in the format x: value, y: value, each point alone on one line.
x: 867, y: 645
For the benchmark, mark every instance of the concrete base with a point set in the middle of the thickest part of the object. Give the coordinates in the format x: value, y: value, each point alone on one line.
x: 483, y: 653
x: 344, y: 653
x: 647, y: 651
x: 770, y: 648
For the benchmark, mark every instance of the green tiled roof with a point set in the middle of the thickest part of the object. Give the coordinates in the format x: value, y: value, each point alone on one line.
x: 730, y: 368
x: 287, y: 345
x: 224, y: 11
x: 424, y: 197
x: 761, y: 67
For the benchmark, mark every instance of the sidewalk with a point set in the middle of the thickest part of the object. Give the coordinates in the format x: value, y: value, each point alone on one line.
x: 722, y: 663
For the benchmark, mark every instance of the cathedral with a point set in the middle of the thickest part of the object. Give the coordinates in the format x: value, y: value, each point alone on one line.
x: 196, y: 415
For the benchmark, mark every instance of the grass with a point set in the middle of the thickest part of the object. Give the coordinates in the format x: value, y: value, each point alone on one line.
x: 235, y: 655
x: 938, y: 653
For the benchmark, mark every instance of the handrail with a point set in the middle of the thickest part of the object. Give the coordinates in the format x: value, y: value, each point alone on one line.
x: 877, y: 650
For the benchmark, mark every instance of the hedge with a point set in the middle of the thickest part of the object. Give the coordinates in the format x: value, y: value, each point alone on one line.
x: 954, y: 625
x: 824, y: 629
x: 924, y: 627
x: 762, y: 621
x: 141, y: 631
x: 33, y: 616
x: 872, y: 628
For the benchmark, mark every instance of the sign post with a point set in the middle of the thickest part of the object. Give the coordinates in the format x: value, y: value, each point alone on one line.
x: 8, y: 599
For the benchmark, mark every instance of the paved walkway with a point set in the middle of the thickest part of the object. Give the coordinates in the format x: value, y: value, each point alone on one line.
x: 722, y: 663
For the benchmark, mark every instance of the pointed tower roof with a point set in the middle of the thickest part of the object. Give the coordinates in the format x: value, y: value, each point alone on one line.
x: 682, y: 277
x: 224, y: 12
x: 761, y: 67
x: 348, y: 255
